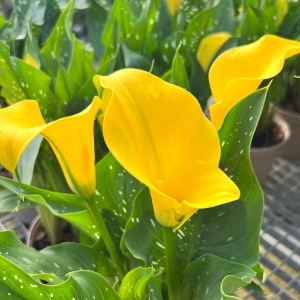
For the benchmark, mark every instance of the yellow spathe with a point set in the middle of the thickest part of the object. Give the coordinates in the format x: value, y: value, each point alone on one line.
x: 282, y: 9
x: 238, y: 72
x: 28, y: 58
x: 173, y: 6
x: 209, y: 47
x: 71, y: 138
x: 158, y: 132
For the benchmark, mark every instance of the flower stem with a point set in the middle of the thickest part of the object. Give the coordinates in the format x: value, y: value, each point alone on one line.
x: 95, y: 212
x: 170, y: 251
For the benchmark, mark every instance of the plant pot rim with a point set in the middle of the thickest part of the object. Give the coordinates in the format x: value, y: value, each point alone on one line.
x: 32, y: 230
x: 287, y: 133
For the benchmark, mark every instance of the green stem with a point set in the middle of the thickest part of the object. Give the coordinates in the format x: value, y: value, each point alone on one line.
x: 52, y: 225
x: 95, y: 212
x: 174, y: 23
x: 170, y: 239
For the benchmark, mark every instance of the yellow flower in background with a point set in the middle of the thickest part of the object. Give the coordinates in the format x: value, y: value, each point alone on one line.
x: 282, y: 9
x: 238, y: 72
x: 158, y: 132
x: 209, y: 47
x: 28, y: 58
x: 71, y: 138
x: 173, y: 6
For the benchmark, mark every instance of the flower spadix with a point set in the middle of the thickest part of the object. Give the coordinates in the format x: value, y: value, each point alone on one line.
x: 209, y: 47
x: 238, y: 72
x: 159, y: 133
x: 71, y: 139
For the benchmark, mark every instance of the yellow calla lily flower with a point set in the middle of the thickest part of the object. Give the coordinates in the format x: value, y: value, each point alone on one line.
x: 28, y: 58
x: 158, y: 132
x: 238, y: 72
x: 71, y: 139
x: 282, y: 9
x: 209, y: 47
x: 173, y: 6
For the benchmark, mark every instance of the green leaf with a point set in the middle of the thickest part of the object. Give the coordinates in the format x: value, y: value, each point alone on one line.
x: 79, y: 4
x: 85, y: 96
x: 27, y: 160
x: 196, y: 30
x: 168, y: 49
x: 143, y: 234
x: 134, y: 283
x: 230, y: 231
x: 55, y: 262
x: 67, y: 206
x: 260, y: 273
x: 290, y: 25
x: 32, y: 46
x: 59, y: 46
x: 140, y: 39
x: 96, y: 17
x: 52, y: 15
x: 9, y: 201
x: 21, y: 81
x: 122, y: 14
x: 155, y: 286
x: 16, y: 284
x: 179, y: 76
x: 218, y: 18
x: 223, y: 16
x: 65, y: 87
x: 135, y: 60
x: 115, y: 192
x: 198, y: 79
x: 24, y: 11
x: 256, y: 24
x: 215, y: 278
x: 81, y: 66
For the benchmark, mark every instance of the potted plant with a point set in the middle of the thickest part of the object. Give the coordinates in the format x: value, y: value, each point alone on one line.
x: 130, y: 221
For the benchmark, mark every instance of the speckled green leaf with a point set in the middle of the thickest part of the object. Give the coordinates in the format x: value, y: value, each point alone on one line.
x: 255, y: 24
x: 21, y: 81
x: 215, y: 278
x: 115, y: 192
x: 59, y: 46
x: 96, y: 17
x: 140, y: 39
x: 55, y: 262
x: 17, y: 285
x: 25, y: 11
x: 179, y: 76
x: 134, y: 283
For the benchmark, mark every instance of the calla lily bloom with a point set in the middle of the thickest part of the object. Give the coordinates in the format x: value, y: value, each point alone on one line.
x: 238, y: 72
x: 158, y: 132
x: 71, y: 139
x: 209, y: 47
x: 173, y: 6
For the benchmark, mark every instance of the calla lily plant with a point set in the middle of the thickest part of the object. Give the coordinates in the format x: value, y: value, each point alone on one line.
x: 181, y: 176
x: 170, y: 209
